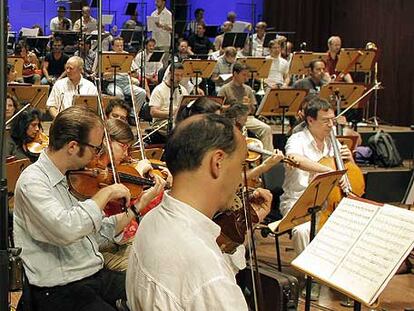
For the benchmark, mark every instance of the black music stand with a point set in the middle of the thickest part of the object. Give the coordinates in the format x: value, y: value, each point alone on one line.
x: 198, y: 68
x: 236, y: 39
x: 39, y: 44
x: 116, y: 63
x: 269, y: 36
x: 156, y: 56
x: 281, y: 102
x: 68, y: 37
x: 131, y: 8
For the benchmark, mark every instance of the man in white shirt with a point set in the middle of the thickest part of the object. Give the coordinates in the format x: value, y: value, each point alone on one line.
x: 86, y: 23
x: 162, y: 34
x: 175, y: 262
x: 61, y: 96
x: 60, y: 22
x: 151, y: 68
x: 279, y: 71
x: 160, y: 99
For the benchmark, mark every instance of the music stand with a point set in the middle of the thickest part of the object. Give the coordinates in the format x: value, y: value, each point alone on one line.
x: 131, y: 8
x: 89, y: 101
x: 17, y: 63
x: 13, y: 171
x: 259, y: 67
x: 236, y: 39
x: 35, y: 94
x: 38, y: 43
x: 68, y: 37
x: 156, y: 56
x: 300, y: 62
x: 116, y: 63
x: 305, y: 208
x: 282, y: 102
x: 186, y: 99
x: 198, y: 68
x: 269, y: 36
x: 212, y: 31
x: 344, y: 94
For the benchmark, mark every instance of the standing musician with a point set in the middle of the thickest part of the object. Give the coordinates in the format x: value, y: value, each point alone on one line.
x: 162, y: 34
x: 205, y: 154
x: 160, y: 100
x: 64, y: 89
x: 308, y: 146
x: 237, y: 91
x: 60, y: 235
x: 334, y: 47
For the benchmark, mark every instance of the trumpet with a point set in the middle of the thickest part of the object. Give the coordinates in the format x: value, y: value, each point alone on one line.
x: 261, y: 91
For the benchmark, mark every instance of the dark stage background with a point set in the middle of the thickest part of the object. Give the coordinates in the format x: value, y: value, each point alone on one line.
x: 388, y: 23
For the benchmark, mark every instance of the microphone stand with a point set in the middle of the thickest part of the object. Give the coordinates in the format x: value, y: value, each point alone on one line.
x: 4, y: 209
x: 172, y: 82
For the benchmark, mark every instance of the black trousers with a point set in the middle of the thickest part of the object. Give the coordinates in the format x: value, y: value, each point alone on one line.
x: 98, y: 292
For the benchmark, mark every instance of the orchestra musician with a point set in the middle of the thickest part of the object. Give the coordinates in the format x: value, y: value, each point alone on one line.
x: 334, y: 47
x: 60, y: 22
x: 86, y: 24
x: 279, y: 71
x: 308, y: 146
x: 205, y: 154
x: 237, y: 91
x: 60, y: 235
x: 53, y: 66
x: 162, y: 34
x: 117, y: 109
x: 316, y: 79
x: 61, y: 96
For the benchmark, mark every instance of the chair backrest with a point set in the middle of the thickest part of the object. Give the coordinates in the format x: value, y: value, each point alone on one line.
x: 273, y: 181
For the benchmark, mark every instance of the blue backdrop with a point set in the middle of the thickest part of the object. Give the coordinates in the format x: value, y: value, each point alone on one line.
x: 24, y: 13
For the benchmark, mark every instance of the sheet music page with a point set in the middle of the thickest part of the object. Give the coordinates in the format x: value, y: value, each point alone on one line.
x: 151, y: 20
x: 335, y: 239
x: 379, y: 252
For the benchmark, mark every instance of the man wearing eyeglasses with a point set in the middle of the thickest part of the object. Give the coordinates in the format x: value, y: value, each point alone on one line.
x: 60, y: 235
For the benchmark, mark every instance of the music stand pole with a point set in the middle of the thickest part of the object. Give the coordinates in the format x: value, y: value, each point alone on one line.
x: 4, y: 210
x: 312, y: 211
x: 172, y: 82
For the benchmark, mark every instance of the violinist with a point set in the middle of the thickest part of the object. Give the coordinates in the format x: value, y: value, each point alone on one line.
x: 25, y: 129
x: 116, y: 254
x: 308, y: 146
x: 60, y: 235
x: 205, y: 155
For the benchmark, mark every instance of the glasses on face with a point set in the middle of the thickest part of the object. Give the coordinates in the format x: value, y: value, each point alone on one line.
x: 96, y: 149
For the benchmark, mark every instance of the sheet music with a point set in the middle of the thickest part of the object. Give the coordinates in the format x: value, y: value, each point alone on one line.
x: 374, y: 257
x: 360, y: 248
x: 151, y: 20
x: 29, y: 32
x: 239, y: 26
x: 336, y: 237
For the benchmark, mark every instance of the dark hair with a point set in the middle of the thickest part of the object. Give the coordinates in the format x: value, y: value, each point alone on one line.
x: 61, y: 8
x: 21, y: 123
x: 199, y: 106
x: 14, y: 100
x: 314, y: 105
x: 239, y: 67
x: 150, y: 40
x: 120, y: 131
x: 72, y: 124
x: 194, y: 137
x: 198, y: 10
x: 312, y: 64
x: 117, y: 102
x: 236, y: 111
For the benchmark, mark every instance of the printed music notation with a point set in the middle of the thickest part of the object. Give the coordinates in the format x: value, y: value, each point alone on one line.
x: 359, y: 248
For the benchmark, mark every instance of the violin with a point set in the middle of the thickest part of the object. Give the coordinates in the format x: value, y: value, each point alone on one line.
x: 85, y: 183
x: 39, y: 143
x: 255, y: 151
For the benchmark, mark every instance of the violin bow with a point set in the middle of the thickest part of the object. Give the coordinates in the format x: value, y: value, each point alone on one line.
x: 254, y: 267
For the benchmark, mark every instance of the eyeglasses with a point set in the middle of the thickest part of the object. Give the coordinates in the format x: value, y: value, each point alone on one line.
x: 96, y: 149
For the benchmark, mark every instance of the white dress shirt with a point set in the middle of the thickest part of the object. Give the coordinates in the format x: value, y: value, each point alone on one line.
x: 176, y: 264
x: 278, y: 70
x: 63, y: 91
x: 296, y: 180
x: 162, y: 37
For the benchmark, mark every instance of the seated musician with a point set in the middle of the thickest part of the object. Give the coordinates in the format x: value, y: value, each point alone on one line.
x: 116, y: 254
x: 279, y: 71
x: 88, y: 55
x: 317, y: 77
x: 224, y: 65
x: 160, y: 101
x: 25, y: 129
x: 218, y: 41
x: 205, y: 154
x: 86, y: 24
x: 30, y: 64
x: 122, y: 86
x: 308, y: 147
x: 117, y: 109
x: 184, y: 51
x: 54, y: 63
x: 334, y: 47
x: 12, y: 106
x: 199, y: 43
x: 258, y: 40
x: 60, y: 234
x: 238, y: 91
x: 61, y: 96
